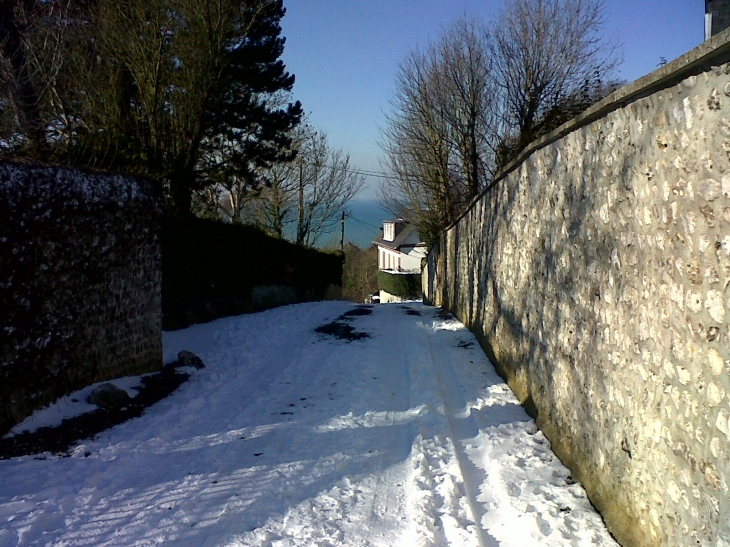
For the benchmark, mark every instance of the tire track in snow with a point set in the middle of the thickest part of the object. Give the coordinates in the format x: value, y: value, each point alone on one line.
x: 364, y: 507
x: 461, y: 427
x: 439, y: 510
x: 520, y: 491
x: 379, y: 451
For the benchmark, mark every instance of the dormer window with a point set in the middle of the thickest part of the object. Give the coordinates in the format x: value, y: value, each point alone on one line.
x: 389, y: 231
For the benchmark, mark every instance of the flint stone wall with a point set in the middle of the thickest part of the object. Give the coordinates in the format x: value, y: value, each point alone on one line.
x: 80, y: 278
x: 595, y: 273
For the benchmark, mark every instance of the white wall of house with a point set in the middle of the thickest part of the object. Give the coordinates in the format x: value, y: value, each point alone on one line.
x: 415, y: 254
x: 389, y: 259
x: 387, y: 298
x: 411, y: 261
x: 407, y: 258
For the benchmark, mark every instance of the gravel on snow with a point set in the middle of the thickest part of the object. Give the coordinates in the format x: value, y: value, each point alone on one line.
x: 404, y: 436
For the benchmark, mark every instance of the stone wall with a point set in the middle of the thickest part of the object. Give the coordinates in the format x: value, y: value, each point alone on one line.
x: 79, y: 283
x: 595, y: 272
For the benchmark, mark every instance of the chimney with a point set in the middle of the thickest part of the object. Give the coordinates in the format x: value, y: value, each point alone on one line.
x: 392, y: 228
x: 717, y: 17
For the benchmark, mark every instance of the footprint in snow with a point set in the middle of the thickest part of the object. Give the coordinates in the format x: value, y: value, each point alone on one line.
x: 544, y: 526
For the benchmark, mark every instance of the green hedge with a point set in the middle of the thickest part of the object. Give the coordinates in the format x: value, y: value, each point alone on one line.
x: 403, y: 285
x: 210, y: 268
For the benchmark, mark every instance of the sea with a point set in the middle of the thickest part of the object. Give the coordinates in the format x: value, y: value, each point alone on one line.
x: 363, y: 220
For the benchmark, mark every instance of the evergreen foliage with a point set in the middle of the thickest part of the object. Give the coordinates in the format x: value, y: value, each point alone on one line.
x: 189, y: 92
x: 403, y: 285
x: 209, y: 269
x: 246, y: 130
x: 359, y: 276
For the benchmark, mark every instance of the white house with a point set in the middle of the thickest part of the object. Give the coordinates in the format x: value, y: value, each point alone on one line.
x: 399, y: 247
x: 400, y: 251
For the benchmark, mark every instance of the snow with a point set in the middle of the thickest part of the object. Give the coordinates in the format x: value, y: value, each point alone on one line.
x: 71, y: 406
x: 292, y: 438
x: 402, y: 271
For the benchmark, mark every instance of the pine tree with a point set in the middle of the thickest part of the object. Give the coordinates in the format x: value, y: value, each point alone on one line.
x: 246, y: 127
x: 188, y: 92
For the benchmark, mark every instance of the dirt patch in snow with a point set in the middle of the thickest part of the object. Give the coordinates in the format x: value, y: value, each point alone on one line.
x: 410, y: 311
x: 341, y: 331
x: 59, y: 439
x: 357, y: 312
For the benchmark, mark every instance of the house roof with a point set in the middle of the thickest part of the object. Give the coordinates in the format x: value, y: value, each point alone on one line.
x: 407, y: 231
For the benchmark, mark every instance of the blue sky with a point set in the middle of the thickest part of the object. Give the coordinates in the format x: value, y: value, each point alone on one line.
x: 345, y: 54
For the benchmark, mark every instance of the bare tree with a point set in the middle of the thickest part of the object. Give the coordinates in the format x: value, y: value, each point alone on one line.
x: 302, y: 200
x: 466, y: 105
x: 545, y: 52
x: 468, y: 91
x: 326, y: 185
x: 32, y: 43
x: 177, y: 90
x: 276, y: 209
x: 201, y: 73
x: 441, y: 136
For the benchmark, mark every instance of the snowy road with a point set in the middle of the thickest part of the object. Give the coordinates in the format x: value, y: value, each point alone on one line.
x: 294, y: 438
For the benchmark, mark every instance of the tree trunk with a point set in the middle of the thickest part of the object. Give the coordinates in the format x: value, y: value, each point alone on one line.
x: 181, y: 191
x: 25, y: 96
x: 300, y: 210
x: 474, y: 163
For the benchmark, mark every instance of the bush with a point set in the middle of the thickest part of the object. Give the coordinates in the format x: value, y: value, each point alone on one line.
x: 209, y: 270
x: 359, y: 276
x: 403, y: 285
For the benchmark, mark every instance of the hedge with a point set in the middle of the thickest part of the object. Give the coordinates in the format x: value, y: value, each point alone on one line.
x: 210, y: 269
x: 403, y: 285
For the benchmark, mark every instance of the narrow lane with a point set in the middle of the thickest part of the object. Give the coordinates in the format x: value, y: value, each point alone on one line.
x: 387, y: 427
x: 462, y: 428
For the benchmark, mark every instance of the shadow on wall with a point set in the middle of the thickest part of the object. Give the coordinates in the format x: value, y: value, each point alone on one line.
x: 79, y: 282
x: 595, y: 276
